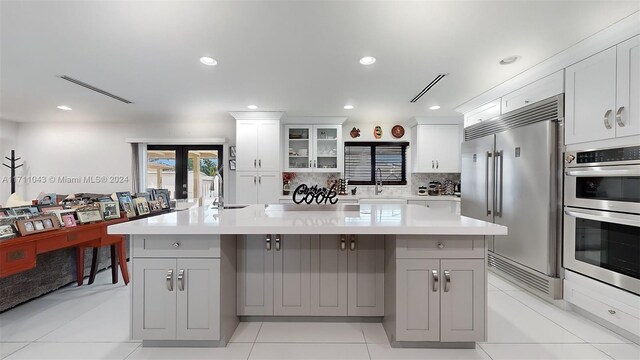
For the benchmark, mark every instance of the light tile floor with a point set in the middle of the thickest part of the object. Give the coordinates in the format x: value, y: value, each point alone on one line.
x: 92, y: 322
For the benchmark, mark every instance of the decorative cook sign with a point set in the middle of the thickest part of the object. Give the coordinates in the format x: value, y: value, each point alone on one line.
x: 315, y: 194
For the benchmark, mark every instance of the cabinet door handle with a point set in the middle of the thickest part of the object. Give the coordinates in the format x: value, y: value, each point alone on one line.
x: 607, y: 123
x: 260, y: 163
x: 432, y: 164
x: 447, y: 281
x: 352, y: 243
x: 434, y: 276
x: 309, y: 163
x: 170, y: 280
x: 181, y: 280
x: 268, y: 242
x: 619, y: 116
x: 486, y: 183
x: 343, y: 242
x: 254, y: 163
x: 315, y: 164
x: 176, y: 244
x: 277, y: 242
x: 254, y: 180
x: 612, y: 312
x: 437, y: 164
x: 260, y: 179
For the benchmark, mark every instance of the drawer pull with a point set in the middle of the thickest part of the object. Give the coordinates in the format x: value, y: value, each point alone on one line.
x: 268, y: 242
x: 343, y: 243
x: 440, y: 246
x: 176, y: 244
x: 612, y: 312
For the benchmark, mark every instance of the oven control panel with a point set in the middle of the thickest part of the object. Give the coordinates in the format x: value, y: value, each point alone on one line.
x: 626, y: 154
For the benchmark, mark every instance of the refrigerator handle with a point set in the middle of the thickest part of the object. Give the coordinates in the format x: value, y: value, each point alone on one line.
x: 499, y: 186
x: 486, y: 183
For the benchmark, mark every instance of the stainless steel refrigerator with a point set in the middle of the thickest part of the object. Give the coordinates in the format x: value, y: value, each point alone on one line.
x: 511, y: 175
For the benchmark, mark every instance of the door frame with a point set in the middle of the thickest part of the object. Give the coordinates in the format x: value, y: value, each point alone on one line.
x: 182, y: 163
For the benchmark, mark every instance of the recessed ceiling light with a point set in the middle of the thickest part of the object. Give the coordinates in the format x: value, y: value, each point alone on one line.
x: 509, y: 60
x: 64, y: 107
x: 434, y: 107
x: 253, y: 107
x: 208, y: 61
x: 367, y: 60
x: 348, y: 107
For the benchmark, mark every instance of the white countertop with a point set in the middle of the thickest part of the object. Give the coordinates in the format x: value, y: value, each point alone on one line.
x: 254, y: 219
x: 381, y: 197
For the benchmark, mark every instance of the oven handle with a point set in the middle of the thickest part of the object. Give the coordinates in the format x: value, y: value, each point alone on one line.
x: 609, y: 218
x: 605, y: 171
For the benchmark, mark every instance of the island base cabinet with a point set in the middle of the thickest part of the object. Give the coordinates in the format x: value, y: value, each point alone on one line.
x: 255, y: 275
x: 291, y: 283
x: 176, y: 299
x: 440, y: 300
x: 366, y: 275
x: 310, y: 275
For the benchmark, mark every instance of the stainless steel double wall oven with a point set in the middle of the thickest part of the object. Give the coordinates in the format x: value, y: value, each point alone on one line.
x: 602, y: 215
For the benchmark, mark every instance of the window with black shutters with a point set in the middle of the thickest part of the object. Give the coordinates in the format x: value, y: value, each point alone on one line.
x: 362, y: 159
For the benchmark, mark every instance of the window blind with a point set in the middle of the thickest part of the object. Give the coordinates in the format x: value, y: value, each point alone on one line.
x: 362, y: 159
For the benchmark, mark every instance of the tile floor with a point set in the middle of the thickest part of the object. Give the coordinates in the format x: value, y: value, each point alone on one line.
x: 61, y: 325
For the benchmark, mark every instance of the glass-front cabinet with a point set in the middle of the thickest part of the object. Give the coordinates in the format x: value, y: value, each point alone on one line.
x: 313, y: 148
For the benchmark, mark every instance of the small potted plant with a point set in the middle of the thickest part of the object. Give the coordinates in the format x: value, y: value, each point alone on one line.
x: 287, y: 177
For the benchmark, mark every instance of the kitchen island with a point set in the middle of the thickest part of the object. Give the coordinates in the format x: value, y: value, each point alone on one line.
x: 197, y: 273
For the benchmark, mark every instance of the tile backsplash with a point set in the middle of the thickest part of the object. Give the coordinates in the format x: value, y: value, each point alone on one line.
x: 417, y: 180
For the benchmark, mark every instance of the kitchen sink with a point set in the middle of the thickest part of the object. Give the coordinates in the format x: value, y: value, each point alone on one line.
x: 231, y: 207
x: 382, y: 201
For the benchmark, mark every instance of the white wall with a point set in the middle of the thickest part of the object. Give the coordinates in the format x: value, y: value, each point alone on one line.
x: 8, y: 142
x: 72, y: 150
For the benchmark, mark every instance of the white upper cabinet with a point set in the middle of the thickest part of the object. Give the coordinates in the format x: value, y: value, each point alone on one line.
x: 628, y: 82
x: 591, y: 98
x: 603, y: 95
x: 435, y: 148
x: 483, y: 113
x: 257, y: 145
x: 536, y: 91
x: 313, y: 148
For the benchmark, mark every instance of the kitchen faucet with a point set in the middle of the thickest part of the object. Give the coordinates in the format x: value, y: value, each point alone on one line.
x: 378, y: 181
x: 218, y: 200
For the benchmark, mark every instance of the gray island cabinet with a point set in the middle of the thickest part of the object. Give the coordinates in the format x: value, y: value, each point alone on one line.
x: 197, y: 273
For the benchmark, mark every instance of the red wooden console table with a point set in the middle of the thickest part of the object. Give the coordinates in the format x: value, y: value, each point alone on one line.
x: 19, y: 254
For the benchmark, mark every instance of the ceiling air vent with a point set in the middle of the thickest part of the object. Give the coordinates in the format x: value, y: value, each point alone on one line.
x: 93, y: 88
x: 428, y: 87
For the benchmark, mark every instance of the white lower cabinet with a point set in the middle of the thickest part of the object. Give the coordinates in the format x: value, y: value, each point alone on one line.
x: 440, y: 300
x: 311, y: 275
x: 176, y: 299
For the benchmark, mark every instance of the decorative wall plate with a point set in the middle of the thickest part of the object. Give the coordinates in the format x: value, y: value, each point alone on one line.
x: 397, y: 131
x: 355, y: 133
x: 377, y: 132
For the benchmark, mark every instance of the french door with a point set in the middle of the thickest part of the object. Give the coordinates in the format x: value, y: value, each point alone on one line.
x: 187, y: 171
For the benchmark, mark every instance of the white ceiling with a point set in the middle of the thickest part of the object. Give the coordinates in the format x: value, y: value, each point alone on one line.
x: 300, y: 57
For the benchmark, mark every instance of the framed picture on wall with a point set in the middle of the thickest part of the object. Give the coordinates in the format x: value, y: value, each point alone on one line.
x: 232, y: 164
